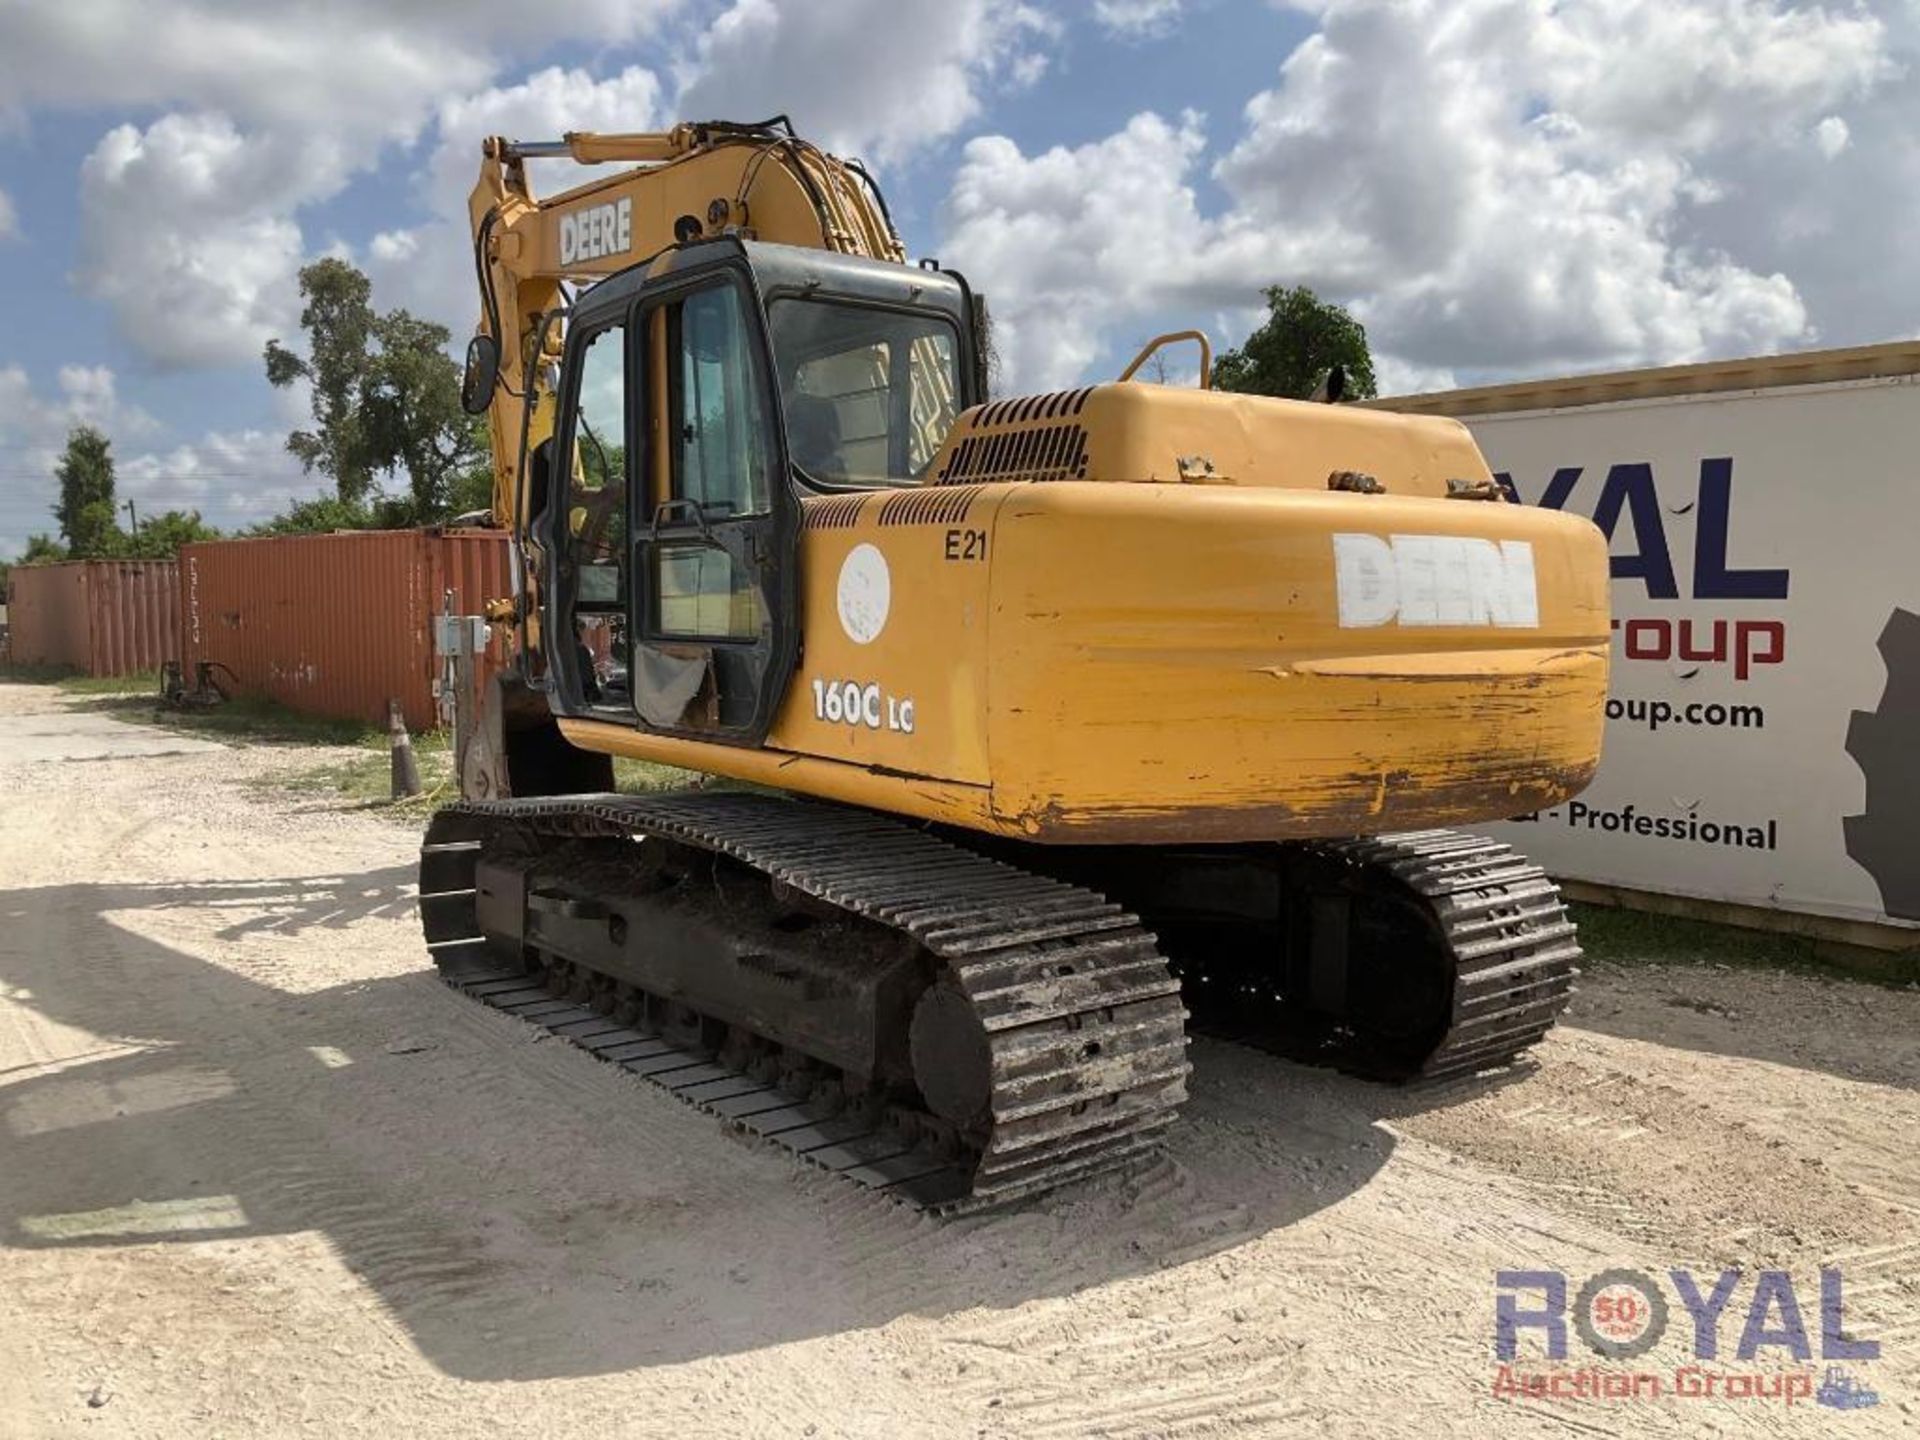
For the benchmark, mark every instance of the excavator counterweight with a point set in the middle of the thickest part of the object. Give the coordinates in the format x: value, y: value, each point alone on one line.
x: 1070, y: 719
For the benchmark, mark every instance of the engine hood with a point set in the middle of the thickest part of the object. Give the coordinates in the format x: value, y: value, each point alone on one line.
x: 1162, y: 434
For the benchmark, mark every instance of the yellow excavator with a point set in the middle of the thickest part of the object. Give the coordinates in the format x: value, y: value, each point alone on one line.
x: 1054, y: 722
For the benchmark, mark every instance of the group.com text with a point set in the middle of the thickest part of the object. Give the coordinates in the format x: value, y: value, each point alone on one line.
x: 1710, y: 714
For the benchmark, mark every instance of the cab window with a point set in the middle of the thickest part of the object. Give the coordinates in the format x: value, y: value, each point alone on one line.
x: 720, y: 469
x: 870, y: 393
x: 720, y: 450
x: 596, y: 518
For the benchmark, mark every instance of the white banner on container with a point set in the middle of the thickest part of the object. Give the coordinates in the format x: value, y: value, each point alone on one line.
x: 1763, y: 735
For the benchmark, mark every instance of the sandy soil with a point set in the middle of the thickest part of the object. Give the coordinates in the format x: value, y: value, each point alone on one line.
x: 261, y: 1174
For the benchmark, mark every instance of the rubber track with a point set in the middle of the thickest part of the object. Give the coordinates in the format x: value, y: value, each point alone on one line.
x: 1513, y: 945
x: 1085, y: 1024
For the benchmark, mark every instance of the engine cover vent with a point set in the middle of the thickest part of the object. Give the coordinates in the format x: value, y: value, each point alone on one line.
x: 1022, y: 409
x: 928, y: 506
x: 837, y: 512
x: 1045, y: 452
x: 1030, y: 437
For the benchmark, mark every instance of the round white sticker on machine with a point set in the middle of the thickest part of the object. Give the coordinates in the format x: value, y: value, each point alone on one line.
x: 866, y: 592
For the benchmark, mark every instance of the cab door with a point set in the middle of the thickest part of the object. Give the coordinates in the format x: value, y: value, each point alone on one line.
x: 716, y: 523
x: 578, y: 498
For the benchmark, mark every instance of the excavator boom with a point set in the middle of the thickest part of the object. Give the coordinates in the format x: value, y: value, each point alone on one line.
x: 692, y: 182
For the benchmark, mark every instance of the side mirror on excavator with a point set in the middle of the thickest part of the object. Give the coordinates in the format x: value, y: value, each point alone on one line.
x: 1333, y: 388
x: 481, y: 375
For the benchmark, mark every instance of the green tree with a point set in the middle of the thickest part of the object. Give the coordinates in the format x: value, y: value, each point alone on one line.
x: 41, y: 550
x: 161, y: 536
x: 386, y: 397
x: 324, y: 514
x: 338, y: 318
x: 85, y: 510
x: 1302, y: 339
x: 321, y: 515
x: 413, y: 417
x: 472, y: 484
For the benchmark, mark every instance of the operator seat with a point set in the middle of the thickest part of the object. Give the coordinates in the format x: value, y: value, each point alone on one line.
x: 813, y: 435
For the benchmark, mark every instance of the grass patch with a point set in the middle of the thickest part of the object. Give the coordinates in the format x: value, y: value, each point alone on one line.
x: 1639, y: 937
x: 363, y: 778
x: 144, y: 682
x: 12, y: 674
x: 1615, y: 935
x: 246, y: 718
x: 643, y: 776
x: 366, y: 779
x: 70, y: 681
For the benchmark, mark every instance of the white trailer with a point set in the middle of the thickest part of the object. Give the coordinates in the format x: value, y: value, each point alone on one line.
x: 1763, y: 736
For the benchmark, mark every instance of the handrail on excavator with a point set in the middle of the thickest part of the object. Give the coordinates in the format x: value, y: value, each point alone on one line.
x: 1171, y: 337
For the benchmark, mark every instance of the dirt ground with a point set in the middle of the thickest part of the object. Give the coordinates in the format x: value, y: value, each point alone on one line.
x: 261, y: 1174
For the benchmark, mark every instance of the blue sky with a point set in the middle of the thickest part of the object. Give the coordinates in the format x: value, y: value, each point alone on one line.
x: 1497, y: 187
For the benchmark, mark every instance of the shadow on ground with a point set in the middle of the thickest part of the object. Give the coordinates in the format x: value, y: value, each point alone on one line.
x: 522, y: 1209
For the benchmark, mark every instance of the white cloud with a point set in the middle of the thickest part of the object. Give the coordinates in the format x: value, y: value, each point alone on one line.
x: 234, y: 479
x: 191, y: 225
x: 429, y: 268
x: 1137, y: 19
x: 1394, y: 376
x: 394, y: 247
x: 33, y: 432
x: 1495, y: 186
x: 867, y: 77
x: 1831, y: 136
x: 9, y: 218
x: 187, y: 235
x: 192, y: 230
x: 1504, y: 193
x: 1026, y: 70
x: 542, y: 107
x: 357, y: 68
x: 1695, y: 73
x: 872, y: 76
x: 1070, y: 243
x: 88, y: 395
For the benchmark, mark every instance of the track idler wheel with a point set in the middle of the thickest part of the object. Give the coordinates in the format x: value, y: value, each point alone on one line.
x: 1458, y: 953
x: 1400, y: 979
x: 952, y: 1057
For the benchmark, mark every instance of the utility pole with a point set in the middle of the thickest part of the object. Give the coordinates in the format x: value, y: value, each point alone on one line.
x: 133, y: 520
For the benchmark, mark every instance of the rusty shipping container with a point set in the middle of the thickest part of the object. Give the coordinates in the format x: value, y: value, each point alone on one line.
x: 101, y: 617
x: 335, y: 624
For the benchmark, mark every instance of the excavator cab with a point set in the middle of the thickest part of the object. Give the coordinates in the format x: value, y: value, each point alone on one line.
x: 701, y: 396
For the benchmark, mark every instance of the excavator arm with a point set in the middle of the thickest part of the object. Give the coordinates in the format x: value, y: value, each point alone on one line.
x: 695, y: 181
